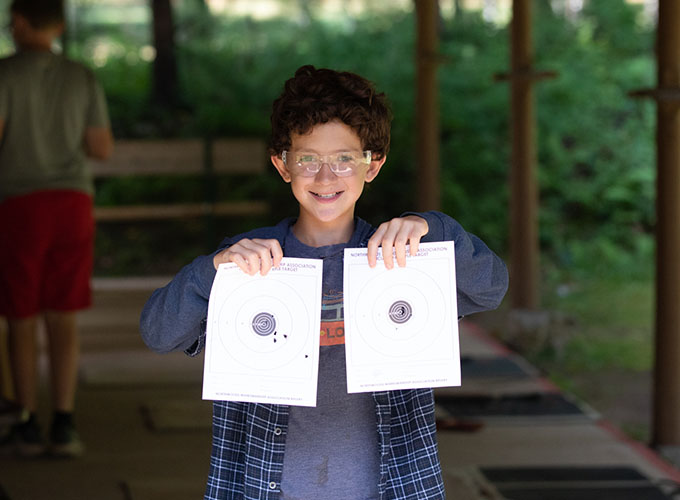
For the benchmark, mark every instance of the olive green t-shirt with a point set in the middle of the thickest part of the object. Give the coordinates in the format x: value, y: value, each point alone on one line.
x: 46, y: 102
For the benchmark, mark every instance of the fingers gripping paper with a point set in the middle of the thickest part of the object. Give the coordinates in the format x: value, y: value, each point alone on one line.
x: 262, y: 338
x: 401, y: 326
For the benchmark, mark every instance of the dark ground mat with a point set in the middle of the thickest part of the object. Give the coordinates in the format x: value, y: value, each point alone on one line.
x: 3, y: 494
x: 542, y: 474
x: 572, y: 483
x: 491, y: 367
x: 585, y: 493
x: 535, y: 404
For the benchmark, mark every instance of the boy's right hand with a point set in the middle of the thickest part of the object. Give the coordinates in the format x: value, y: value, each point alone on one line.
x: 252, y: 256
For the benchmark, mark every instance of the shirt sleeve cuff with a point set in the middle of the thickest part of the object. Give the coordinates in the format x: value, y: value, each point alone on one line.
x: 198, y: 346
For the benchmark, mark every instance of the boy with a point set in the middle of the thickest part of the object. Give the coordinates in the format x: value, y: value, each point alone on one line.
x: 52, y: 115
x: 330, y: 135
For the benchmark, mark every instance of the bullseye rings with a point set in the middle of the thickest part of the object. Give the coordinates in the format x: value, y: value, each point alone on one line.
x: 400, y: 312
x: 264, y: 324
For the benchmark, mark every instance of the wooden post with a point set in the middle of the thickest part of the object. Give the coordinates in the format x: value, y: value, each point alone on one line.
x: 6, y: 385
x: 524, y: 251
x: 427, y: 106
x: 165, y: 78
x: 666, y: 420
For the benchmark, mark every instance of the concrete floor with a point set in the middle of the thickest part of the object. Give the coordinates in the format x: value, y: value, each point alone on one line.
x: 147, y: 431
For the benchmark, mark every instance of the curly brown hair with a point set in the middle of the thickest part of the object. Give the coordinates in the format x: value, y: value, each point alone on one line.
x: 315, y: 96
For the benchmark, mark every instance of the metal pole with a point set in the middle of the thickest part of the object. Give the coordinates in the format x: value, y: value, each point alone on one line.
x: 666, y: 420
x: 524, y: 252
x: 427, y: 106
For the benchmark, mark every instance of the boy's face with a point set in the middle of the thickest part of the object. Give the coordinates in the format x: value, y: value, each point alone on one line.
x: 326, y: 198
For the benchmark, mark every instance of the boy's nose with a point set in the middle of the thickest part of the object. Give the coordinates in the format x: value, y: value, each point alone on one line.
x: 325, y: 173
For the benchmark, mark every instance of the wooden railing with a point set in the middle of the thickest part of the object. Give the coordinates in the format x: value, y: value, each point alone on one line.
x: 208, y: 159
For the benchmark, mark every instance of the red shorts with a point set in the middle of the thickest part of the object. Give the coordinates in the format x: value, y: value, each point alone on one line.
x: 46, y: 253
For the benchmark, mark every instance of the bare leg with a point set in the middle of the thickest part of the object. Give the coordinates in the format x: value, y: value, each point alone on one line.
x: 25, y: 438
x: 24, y: 360
x: 64, y: 348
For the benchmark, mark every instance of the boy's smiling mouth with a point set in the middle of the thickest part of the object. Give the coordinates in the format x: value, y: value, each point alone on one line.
x: 326, y: 196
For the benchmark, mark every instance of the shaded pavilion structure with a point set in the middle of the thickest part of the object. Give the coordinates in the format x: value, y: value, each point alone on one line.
x: 524, y: 249
x: 523, y: 230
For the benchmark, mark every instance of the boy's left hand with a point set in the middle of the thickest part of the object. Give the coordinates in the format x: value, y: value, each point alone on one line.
x: 396, y: 234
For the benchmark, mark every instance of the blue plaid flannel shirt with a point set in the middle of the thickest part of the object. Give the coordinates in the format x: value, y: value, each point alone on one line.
x: 249, y: 438
x: 249, y: 443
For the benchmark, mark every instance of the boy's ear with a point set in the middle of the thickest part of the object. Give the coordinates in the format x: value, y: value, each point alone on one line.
x: 281, y: 168
x: 374, y: 168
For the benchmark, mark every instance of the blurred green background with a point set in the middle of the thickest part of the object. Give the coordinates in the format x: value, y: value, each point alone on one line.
x: 596, y: 157
x: 595, y: 144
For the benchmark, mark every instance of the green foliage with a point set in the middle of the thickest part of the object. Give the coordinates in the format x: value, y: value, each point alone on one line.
x: 611, y: 329
x: 474, y: 126
x: 597, y: 160
x: 595, y: 144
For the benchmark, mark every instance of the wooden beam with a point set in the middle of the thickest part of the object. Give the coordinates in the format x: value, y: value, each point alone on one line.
x: 240, y: 156
x: 6, y: 384
x: 206, y: 159
x: 153, y: 157
x: 427, y: 106
x: 141, y: 157
x: 165, y: 74
x: 179, y: 210
x: 524, y: 251
x: 666, y: 418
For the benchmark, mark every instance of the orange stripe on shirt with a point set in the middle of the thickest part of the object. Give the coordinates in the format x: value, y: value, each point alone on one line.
x: 332, y: 333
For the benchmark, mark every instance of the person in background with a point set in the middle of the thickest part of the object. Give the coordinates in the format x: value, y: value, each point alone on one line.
x: 53, y: 115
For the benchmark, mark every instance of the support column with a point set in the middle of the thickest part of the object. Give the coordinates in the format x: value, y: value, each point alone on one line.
x: 524, y: 251
x: 427, y: 106
x: 524, y: 248
x: 666, y: 419
x: 6, y: 386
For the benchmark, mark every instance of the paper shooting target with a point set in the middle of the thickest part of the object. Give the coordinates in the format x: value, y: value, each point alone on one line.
x: 260, y: 330
x: 397, y: 317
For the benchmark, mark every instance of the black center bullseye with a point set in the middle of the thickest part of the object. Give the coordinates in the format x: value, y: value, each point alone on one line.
x: 264, y: 324
x: 400, y: 312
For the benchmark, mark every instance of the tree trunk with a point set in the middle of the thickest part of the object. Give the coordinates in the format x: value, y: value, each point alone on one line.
x: 165, y: 81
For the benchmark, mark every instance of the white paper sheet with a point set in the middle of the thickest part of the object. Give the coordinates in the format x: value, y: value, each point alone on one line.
x: 401, y: 325
x: 262, y: 339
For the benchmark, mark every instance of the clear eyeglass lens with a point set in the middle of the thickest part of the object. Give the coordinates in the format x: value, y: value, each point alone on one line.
x: 341, y: 164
